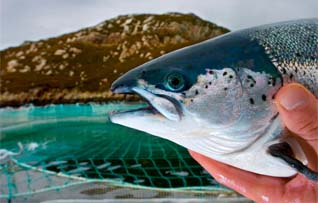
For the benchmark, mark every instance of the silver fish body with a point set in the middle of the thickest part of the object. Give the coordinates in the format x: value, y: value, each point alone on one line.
x: 216, y: 97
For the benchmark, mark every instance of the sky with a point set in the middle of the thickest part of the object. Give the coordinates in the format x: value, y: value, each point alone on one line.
x: 22, y: 20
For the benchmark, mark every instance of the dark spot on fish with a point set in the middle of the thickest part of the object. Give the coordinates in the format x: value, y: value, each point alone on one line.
x: 191, y: 100
x: 183, y: 94
x: 206, y: 87
x: 298, y: 54
x: 231, y: 76
x: 251, y: 100
x: 269, y: 82
x: 296, y: 69
x: 291, y: 76
x: 211, y: 72
x: 143, y: 73
x: 251, y: 78
x: 274, y: 81
x: 284, y: 70
x: 210, y: 83
x: 273, y: 97
x: 264, y: 97
x: 196, y: 92
x: 252, y: 85
x: 225, y: 88
x: 225, y: 73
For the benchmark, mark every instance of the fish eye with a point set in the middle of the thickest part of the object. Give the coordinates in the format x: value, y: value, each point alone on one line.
x: 175, y: 82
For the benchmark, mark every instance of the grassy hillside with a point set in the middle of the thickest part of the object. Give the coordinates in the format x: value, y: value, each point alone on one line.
x: 80, y: 66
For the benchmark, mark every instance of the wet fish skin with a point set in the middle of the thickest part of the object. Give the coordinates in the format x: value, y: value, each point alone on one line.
x: 224, y: 108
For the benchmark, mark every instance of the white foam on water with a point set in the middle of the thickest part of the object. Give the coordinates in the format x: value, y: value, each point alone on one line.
x: 178, y: 173
x: 135, y: 166
x: 139, y: 181
x: 105, y: 165
x: 77, y: 170
x: 112, y: 168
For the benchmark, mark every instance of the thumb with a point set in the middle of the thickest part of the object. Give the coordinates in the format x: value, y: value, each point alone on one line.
x: 299, y: 110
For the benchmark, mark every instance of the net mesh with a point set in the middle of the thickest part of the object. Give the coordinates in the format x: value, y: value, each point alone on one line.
x: 75, y: 146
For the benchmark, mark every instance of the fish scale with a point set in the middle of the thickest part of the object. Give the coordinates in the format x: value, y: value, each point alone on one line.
x: 293, y: 49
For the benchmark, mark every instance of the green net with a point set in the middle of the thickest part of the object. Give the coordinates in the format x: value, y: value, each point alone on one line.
x: 75, y: 146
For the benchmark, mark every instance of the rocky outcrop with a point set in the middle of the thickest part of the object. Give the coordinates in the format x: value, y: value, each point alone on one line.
x: 80, y: 66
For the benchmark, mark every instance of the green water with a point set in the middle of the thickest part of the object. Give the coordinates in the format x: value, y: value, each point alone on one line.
x: 79, y: 140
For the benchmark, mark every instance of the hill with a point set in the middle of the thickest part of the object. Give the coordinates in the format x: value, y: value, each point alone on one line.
x: 80, y: 66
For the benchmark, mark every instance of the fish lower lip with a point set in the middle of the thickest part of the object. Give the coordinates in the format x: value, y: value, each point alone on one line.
x: 128, y: 90
x: 150, y: 108
x: 147, y: 108
x: 122, y: 90
x: 163, y: 104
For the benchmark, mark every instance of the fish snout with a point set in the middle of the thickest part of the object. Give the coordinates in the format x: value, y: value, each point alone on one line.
x: 125, y: 83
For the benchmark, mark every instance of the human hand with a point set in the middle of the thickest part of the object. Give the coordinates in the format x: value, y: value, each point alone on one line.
x: 298, y: 109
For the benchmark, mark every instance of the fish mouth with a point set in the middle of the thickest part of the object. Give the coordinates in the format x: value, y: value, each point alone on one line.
x: 158, y: 104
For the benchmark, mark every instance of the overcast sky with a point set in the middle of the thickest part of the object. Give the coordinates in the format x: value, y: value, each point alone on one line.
x: 37, y: 19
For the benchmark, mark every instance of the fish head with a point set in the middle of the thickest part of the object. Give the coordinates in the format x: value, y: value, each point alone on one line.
x: 193, y: 93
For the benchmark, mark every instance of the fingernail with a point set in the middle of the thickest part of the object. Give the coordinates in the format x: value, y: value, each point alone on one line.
x: 295, y: 96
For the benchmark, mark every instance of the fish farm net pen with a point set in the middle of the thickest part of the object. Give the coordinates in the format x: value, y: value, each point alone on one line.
x: 73, y: 151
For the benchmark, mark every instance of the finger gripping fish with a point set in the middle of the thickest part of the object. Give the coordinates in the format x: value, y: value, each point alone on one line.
x: 216, y: 97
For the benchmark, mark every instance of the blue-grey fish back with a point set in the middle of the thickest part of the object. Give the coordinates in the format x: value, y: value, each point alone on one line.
x: 293, y: 48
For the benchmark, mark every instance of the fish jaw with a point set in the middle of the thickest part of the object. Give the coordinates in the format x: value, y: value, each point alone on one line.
x: 161, y: 118
x: 146, y: 120
x: 166, y: 106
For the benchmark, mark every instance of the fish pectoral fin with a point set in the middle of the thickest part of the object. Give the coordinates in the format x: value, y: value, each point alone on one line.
x: 284, y: 151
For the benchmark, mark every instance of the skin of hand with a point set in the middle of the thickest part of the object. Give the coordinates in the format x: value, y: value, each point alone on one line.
x: 298, y: 109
